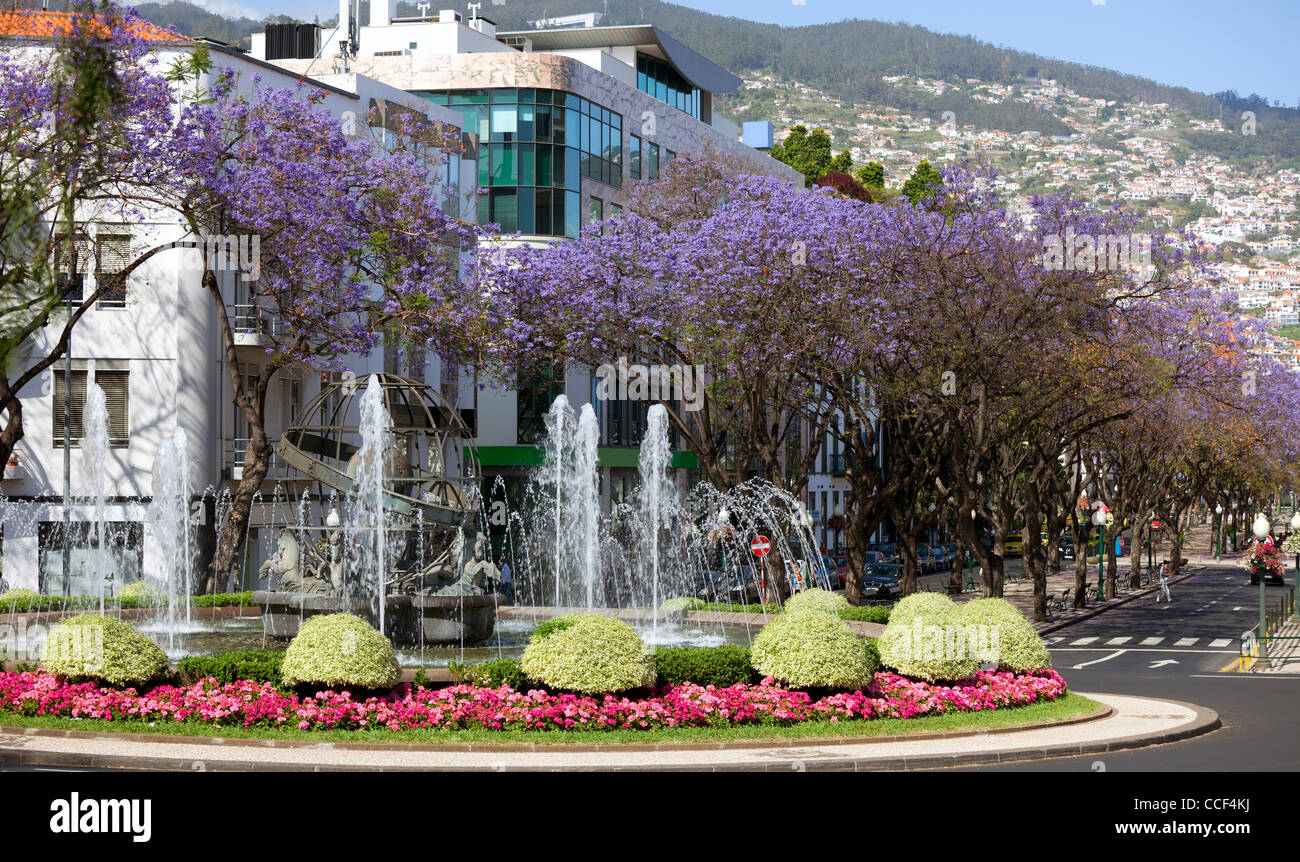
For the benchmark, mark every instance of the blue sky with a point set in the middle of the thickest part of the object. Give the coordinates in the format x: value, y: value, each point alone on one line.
x: 1207, y: 45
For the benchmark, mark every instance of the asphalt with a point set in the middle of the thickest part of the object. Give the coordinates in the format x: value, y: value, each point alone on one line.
x: 1257, y: 710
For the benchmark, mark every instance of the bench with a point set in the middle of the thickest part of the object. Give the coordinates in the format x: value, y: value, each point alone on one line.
x: 1056, y: 604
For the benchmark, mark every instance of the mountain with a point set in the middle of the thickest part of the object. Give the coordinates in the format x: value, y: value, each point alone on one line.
x: 849, y: 60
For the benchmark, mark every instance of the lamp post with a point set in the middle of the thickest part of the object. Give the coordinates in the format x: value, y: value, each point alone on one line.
x: 1099, y: 519
x: 1261, y: 528
x: 1218, y: 539
x: 1295, y: 588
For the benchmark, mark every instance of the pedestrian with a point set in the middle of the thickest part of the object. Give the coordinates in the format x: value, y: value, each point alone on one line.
x: 1164, y: 583
x: 507, y: 585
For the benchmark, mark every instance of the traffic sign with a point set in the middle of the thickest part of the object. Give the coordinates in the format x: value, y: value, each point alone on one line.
x: 1155, y: 524
x: 760, y: 546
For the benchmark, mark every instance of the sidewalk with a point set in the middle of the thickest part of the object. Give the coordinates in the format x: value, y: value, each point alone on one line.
x: 1133, y: 722
x: 1283, y: 655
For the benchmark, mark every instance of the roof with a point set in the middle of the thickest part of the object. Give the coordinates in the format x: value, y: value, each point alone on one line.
x: 43, y: 25
x: 700, y: 71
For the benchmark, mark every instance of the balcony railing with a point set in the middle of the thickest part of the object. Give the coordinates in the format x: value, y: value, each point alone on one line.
x: 251, y: 320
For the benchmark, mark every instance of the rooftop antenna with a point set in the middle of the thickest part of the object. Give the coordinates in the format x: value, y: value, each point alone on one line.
x: 473, y: 10
x: 424, y: 9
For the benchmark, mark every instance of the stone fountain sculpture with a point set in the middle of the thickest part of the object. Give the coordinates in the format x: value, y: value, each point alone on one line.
x: 427, y: 503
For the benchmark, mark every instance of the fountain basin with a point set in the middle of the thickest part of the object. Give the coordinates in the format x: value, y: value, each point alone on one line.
x: 410, y: 620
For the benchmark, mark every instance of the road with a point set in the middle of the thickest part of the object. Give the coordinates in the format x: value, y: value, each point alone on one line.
x: 1176, y: 650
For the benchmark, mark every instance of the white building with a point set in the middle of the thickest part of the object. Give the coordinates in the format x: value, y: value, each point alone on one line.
x: 158, y: 356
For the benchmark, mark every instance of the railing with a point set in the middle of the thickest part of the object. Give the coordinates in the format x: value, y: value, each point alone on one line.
x: 1254, y: 645
x: 251, y: 320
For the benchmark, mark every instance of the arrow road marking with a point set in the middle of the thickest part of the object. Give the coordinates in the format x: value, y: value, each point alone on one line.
x: 1162, y: 663
x: 1115, y: 654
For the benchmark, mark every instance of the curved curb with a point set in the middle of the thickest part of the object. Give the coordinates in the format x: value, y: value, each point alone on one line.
x: 1204, y: 720
x: 515, y: 748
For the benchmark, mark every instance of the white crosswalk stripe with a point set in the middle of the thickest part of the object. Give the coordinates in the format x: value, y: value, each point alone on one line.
x: 1118, y: 641
x: 1083, y: 641
x: 1220, y: 642
x: 1055, y: 640
x: 1186, y: 641
x: 1151, y: 641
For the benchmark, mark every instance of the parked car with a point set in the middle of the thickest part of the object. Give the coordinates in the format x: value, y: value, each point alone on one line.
x: 887, y: 550
x: 842, y: 564
x: 1066, y: 545
x: 941, y: 559
x: 882, y: 581
x: 924, y: 559
x: 711, y: 586
x: 1014, y: 546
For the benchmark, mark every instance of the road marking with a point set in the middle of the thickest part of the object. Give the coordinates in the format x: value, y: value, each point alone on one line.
x: 1186, y: 641
x: 1220, y: 642
x: 1151, y: 641
x: 1115, y: 654
x: 1161, y: 663
x: 1156, y: 649
x: 1118, y: 641
x: 1055, y: 640
x: 1082, y: 641
x: 1239, y: 676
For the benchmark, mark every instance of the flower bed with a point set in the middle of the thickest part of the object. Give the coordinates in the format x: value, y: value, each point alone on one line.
x: 255, y: 704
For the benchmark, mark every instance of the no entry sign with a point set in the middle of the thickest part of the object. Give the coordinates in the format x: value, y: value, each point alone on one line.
x: 760, y: 546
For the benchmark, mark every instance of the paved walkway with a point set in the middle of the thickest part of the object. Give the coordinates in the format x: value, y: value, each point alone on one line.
x: 1283, y: 655
x: 1133, y: 722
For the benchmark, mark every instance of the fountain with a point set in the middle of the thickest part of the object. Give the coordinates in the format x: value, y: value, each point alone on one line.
x: 94, y: 452
x: 401, y: 461
x: 170, y: 515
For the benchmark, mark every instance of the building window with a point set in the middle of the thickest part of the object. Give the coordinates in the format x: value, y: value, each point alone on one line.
x: 652, y: 162
x: 596, y: 210
x: 124, y: 542
x: 113, y: 254
x: 635, y: 157
x: 535, y: 397
x: 116, y: 386
x: 537, y: 147
x: 656, y: 78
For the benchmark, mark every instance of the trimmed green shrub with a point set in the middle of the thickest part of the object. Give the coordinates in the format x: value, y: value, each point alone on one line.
x: 592, y: 654
x: 493, y: 674
x: 1018, y: 646
x: 925, y: 640
x: 223, y: 600
x: 816, y: 599
x: 19, y: 593
x: 808, y: 649
x: 865, y: 614
x: 141, y: 589
x: 680, y: 605
x: 340, y: 650
x: 104, y: 649
x: 873, y: 652
x: 719, y: 666
x: 260, y: 665
x: 546, y: 628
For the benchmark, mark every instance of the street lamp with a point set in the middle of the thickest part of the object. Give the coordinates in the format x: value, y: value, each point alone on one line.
x: 1218, y: 543
x: 1099, y: 519
x: 1261, y: 528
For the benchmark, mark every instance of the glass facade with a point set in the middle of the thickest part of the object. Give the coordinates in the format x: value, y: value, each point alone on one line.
x: 634, y: 152
x: 535, y: 147
x: 656, y: 78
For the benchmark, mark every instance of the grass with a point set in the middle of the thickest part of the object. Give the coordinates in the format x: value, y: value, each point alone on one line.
x: 1069, y: 706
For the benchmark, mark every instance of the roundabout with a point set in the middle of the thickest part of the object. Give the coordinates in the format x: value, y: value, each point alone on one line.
x: 1122, y: 722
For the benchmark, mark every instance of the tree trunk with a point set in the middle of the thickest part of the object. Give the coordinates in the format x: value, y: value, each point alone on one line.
x: 1141, y: 529
x: 907, y: 542
x: 1033, y: 557
x: 856, y: 540
x: 257, y: 463
x: 956, y: 574
x: 1080, y: 570
x: 13, y: 430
